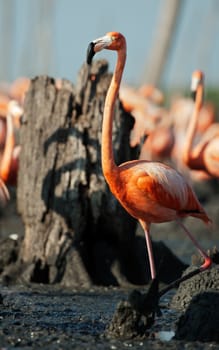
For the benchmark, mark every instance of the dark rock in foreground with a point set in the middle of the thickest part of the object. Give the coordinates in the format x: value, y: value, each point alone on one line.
x: 198, y: 297
x: 134, y: 317
x: 201, y: 319
x: 128, y: 323
x: 196, y: 285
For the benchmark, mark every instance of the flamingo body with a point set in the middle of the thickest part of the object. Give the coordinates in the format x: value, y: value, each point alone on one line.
x: 158, y: 144
x: 155, y: 193
x: 10, y: 155
x: 211, y: 157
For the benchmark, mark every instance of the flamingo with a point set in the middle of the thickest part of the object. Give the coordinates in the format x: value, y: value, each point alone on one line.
x: 146, y: 112
x: 9, y: 159
x: 151, y: 192
x: 166, y: 141
x: 150, y: 119
x: 205, y: 154
x: 152, y: 93
x: 159, y: 143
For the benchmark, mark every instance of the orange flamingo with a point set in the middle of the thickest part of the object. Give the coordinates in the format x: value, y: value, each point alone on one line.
x: 151, y: 192
x: 152, y: 93
x: 158, y: 144
x: 150, y: 119
x: 166, y: 140
x: 146, y: 112
x: 9, y: 159
x: 205, y: 154
x: 179, y: 116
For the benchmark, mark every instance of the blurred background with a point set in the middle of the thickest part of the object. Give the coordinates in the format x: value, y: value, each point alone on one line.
x: 167, y: 39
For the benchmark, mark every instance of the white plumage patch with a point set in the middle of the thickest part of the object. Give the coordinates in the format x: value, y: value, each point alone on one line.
x: 170, y: 179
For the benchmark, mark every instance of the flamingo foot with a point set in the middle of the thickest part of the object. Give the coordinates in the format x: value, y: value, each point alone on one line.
x: 176, y: 283
x: 207, y: 264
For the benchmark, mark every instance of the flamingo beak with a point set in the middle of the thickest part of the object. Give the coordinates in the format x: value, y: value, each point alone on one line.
x: 196, y: 81
x: 193, y: 95
x: 194, y: 86
x: 90, y: 52
x: 97, y: 45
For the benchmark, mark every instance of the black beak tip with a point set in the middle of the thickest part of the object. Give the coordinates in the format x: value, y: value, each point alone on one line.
x: 193, y: 95
x: 90, y: 52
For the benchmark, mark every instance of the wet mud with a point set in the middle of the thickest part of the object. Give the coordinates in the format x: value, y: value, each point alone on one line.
x: 40, y: 316
x: 48, y: 317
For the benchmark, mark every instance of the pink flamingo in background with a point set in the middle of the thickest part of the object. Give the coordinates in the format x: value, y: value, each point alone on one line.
x: 151, y: 121
x: 142, y: 104
x: 10, y: 154
x: 205, y: 154
x: 151, y: 93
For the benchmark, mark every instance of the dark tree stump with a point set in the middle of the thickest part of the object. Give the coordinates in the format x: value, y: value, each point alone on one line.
x: 75, y: 229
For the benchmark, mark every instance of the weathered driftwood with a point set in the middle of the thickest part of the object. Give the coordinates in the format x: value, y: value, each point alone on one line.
x: 74, y: 227
x: 76, y: 232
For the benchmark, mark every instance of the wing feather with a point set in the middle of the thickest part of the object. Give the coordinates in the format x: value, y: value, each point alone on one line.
x: 165, y: 186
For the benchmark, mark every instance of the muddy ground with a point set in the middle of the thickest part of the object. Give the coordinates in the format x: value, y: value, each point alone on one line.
x: 50, y: 317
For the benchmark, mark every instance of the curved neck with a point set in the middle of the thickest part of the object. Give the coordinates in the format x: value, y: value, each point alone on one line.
x: 108, y: 163
x: 193, y: 125
x: 8, y: 150
x: 3, y: 109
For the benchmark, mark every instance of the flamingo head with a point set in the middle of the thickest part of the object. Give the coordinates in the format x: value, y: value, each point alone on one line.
x: 197, y: 80
x: 15, y: 108
x: 110, y: 41
x: 16, y: 111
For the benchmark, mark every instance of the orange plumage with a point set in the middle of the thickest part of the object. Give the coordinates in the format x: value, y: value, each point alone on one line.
x: 152, y: 192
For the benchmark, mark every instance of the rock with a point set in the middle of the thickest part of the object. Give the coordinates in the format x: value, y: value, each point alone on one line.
x: 135, y: 316
x: 204, y: 281
x: 200, y: 322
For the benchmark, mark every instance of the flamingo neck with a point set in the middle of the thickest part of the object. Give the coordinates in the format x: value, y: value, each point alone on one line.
x: 108, y: 162
x: 8, y: 150
x: 3, y: 109
x: 193, y: 125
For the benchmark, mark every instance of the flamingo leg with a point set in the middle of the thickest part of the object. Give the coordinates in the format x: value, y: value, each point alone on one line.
x: 207, y: 263
x: 146, y: 229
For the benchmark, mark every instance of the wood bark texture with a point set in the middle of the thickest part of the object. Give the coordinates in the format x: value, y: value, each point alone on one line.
x: 76, y: 232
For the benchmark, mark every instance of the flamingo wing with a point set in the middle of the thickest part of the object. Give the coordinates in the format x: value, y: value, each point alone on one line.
x: 165, y: 186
